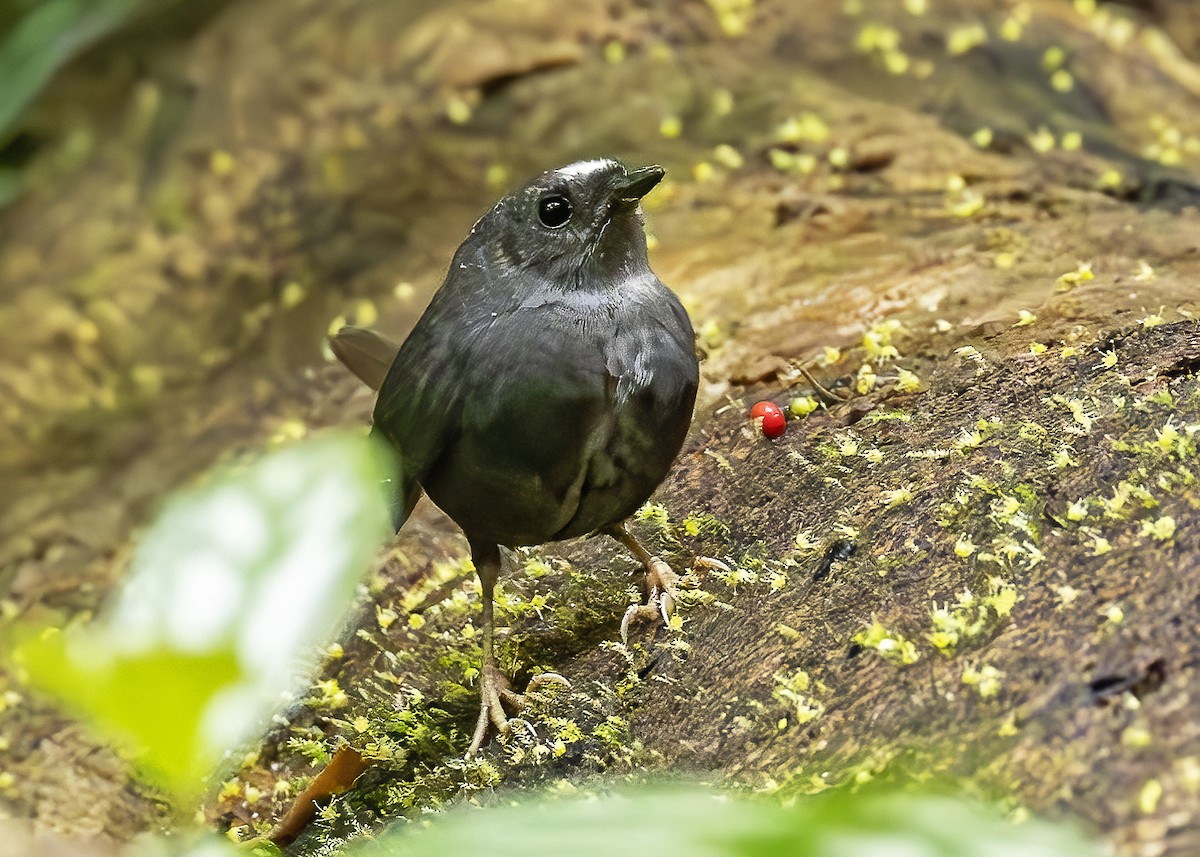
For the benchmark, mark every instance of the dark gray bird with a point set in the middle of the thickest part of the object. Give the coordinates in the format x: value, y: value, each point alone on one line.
x: 548, y: 386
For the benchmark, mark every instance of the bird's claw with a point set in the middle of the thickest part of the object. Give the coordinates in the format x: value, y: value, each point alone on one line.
x: 498, y: 698
x: 663, y: 583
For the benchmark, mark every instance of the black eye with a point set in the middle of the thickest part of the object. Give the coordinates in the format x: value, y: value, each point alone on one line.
x: 554, y: 211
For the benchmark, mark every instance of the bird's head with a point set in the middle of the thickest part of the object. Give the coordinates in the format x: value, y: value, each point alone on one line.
x: 575, y: 225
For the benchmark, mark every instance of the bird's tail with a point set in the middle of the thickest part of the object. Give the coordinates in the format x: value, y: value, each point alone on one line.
x: 366, y: 353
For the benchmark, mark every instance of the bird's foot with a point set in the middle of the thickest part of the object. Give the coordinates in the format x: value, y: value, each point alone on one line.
x: 662, y: 583
x: 498, y: 699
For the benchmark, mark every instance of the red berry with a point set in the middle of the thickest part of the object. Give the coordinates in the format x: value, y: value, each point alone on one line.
x: 774, y: 423
x: 763, y: 408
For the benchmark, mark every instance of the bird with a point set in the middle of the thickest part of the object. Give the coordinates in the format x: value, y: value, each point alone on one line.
x: 545, y: 391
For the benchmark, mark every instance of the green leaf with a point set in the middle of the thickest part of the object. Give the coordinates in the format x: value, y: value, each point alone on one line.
x: 234, y: 580
x: 50, y: 34
x: 692, y: 822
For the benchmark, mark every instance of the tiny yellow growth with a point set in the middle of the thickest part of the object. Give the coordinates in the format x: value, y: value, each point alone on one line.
x: 365, y: 312
x: 458, y: 110
x: 1066, y: 595
x: 962, y: 39
x: 733, y: 16
x: 793, y: 688
x: 985, y: 679
x: 1042, y: 140
x: 1011, y: 29
x: 804, y: 541
x: 670, y: 127
x: 908, y: 381
x: 703, y: 172
x: 292, y: 295
x: 1071, y: 279
x: 829, y: 356
x: 385, y: 616
x: 892, y: 646
x: 1162, y: 529
x: 807, y: 126
x: 847, y: 446
x: 1136, y: 736
x: 968, y: 439
x: 1149, y: 797
x: 728, y: 157
x: 898, y: 497
x: 1008, y: 728
x: 865, y: 379
x: 966, y: 203
x: 876, y: 37
x: 221, y: 162
x: 802, y: 406
x: 1063, y: 458
x: 895, y: 62
x: 654, y: 512
x: 722, y: 102
x: 1188, y: 772
x: 329, y: 694
x: 1053, y: 58
x: 1062, y: 81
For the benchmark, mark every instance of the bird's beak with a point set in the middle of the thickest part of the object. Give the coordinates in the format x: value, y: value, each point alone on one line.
x: 638, y: 183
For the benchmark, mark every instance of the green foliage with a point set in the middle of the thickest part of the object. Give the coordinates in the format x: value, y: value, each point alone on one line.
x: 701, y: 823
x: 50, y: 33
x: 234, y: 580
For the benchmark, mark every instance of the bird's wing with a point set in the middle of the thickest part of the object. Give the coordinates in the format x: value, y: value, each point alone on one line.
x: 418, y: 406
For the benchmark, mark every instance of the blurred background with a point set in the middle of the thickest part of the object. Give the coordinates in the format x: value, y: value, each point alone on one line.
x: 192, y: 194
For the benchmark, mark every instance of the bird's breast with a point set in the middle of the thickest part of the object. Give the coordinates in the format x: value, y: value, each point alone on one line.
x: 572, y: 420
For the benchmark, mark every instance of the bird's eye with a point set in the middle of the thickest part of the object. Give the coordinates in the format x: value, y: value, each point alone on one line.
x: 554, y: 211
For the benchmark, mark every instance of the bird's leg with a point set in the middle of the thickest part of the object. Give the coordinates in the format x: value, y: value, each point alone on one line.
x: 661, y: 583
x: 494, y: 687
x: 492, y: 682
